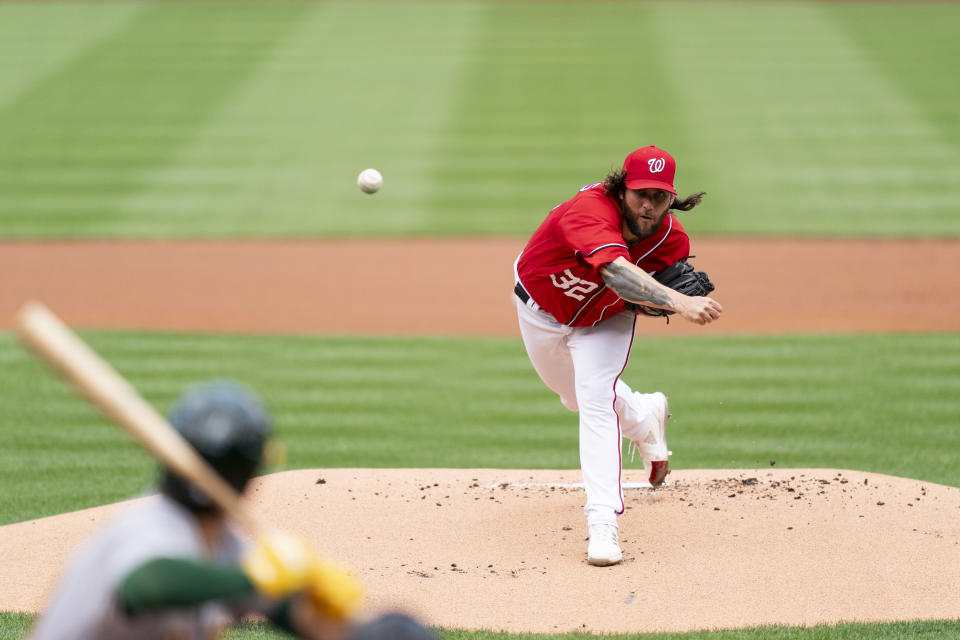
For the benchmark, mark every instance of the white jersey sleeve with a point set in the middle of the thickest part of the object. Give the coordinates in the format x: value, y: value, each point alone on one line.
x: 85, y: 604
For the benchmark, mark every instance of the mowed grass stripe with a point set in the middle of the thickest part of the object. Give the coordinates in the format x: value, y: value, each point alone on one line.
x: 278, y: 153
x: 256, y: 118
x: 875, y: 403
x: 816, y: 402
x: 554, y: 97
x: 84, y: 137
x: 15, y: 625
x: 283, y: 156
x: 787, y: 107
x: 37, y: 40
x: 919, y: 68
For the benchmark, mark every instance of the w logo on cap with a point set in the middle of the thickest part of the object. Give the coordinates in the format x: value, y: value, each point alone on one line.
x: 650, y: 168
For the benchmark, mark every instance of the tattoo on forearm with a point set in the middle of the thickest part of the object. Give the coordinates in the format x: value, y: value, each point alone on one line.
x: 628, y: 286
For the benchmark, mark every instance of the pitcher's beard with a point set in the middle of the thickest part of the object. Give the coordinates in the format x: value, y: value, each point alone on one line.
x: 635, y: 228
x: 633, y: 225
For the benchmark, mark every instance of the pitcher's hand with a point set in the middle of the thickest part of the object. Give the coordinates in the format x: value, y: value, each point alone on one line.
x: 700, y: 309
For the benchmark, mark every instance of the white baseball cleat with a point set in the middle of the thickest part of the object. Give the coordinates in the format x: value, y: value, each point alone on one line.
x: 603, y: 549
x: 659, y: 464
x: 653, y: 448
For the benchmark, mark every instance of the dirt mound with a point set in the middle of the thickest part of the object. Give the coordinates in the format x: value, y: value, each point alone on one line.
x: 505, y: 549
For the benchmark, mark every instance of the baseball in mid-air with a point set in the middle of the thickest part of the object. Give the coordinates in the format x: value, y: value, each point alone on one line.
x: 370, y: 181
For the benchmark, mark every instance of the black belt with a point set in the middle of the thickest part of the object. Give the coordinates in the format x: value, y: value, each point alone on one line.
x: 521, y: 293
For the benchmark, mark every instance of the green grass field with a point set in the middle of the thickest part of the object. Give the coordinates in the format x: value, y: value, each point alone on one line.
x: 845, y: 402
x: 882, y: 403
x: 15, y: 625
x: 253, y: 119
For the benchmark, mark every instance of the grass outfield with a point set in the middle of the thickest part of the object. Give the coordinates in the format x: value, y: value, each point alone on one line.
x: 13, y: 626
x: 253, y: 119
x: 875, y: 403
x: 886, y: 404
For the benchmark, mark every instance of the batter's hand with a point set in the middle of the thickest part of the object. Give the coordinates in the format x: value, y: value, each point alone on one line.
x: 282, y: 564
x: 279, y: 564
x: 700, y: 309
x: 335, y: 592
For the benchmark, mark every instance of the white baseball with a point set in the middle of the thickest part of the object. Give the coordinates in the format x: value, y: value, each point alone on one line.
x: 370, y: 181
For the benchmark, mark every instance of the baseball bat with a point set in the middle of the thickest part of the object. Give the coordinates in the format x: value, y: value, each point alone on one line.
x: 55, y: 343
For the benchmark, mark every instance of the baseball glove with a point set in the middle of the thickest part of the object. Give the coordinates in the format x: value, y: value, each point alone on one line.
x: 681, y: 277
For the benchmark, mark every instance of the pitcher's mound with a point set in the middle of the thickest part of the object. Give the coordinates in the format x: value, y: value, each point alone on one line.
x: 506, y: 549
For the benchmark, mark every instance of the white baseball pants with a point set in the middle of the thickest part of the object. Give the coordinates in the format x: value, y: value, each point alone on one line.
x: 583, y: 366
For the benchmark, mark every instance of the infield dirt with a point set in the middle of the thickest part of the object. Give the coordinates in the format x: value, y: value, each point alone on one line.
x: 461, y: 286
x: 502, y: 549
x: 498, y: 549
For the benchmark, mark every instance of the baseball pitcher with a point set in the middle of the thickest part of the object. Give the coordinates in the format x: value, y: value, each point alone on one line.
x: 598, y: 260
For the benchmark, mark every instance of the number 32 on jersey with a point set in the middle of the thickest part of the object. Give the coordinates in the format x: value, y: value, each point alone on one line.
x: 576, y: 288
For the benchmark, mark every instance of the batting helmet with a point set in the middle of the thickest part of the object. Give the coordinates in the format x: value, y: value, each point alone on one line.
x: 228, y: 426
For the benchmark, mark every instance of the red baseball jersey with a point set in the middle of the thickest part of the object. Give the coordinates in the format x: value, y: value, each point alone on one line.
x: 560, y: 266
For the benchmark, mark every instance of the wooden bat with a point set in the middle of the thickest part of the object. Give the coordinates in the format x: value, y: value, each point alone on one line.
x: 53, y: 341
x: 332, y: 588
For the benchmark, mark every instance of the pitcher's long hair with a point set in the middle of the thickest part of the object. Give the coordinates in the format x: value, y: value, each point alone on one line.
x: 615, y: 185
